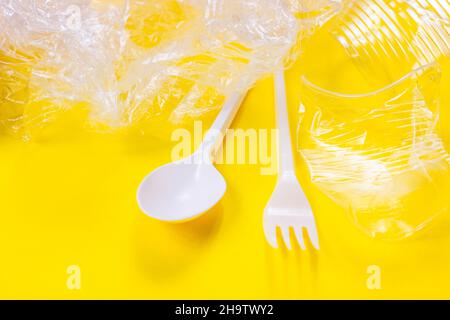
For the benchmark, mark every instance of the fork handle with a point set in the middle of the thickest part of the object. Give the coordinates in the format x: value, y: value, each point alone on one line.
x: 286, y: 156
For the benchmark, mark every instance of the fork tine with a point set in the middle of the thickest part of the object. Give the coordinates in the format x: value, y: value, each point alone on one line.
x: 299, y: 236
x: 270, y: 232
x: 286, y: 237
x: 313, y: 236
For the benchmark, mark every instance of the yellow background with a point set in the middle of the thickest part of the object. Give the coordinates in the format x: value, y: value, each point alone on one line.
x: 72, y: 201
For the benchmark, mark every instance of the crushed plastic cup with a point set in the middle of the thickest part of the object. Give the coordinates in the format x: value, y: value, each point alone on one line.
x: 378, y: 154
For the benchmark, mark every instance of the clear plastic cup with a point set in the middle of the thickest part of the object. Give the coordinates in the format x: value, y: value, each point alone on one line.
x: 378, y: 154
x: 390, y: 38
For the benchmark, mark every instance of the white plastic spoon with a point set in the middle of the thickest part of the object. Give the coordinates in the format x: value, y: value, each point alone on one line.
x: 185, y: 189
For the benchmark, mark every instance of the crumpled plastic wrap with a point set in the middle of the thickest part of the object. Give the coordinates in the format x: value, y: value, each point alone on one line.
x: 379, y: 155
x: 314, y: 13
x: 127, y: 61
x: 56, y: 55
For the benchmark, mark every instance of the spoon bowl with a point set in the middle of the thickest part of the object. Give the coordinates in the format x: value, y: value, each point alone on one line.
x: 180, y: 191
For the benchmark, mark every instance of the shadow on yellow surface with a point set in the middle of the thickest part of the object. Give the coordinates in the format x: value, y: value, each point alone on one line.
x: 186, y: 241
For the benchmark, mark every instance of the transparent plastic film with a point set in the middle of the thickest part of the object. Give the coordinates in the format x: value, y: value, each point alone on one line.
x: 56, y: 56
x: 311, y: 15
x: 378, y: 155
x: 226, y: 47
x: 314, y: 13
x: 124, y: 63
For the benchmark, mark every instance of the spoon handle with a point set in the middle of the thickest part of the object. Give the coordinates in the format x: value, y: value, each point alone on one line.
x: 214, y: 137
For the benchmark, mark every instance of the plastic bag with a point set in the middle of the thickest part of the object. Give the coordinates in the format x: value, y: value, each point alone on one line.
x: 125, y: 62
x: 379, y: 154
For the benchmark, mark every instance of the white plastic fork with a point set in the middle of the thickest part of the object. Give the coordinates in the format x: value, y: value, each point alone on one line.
x: 288, y: 208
